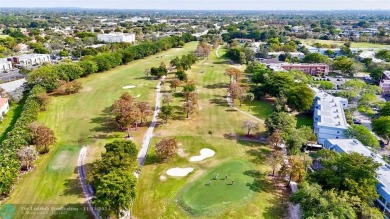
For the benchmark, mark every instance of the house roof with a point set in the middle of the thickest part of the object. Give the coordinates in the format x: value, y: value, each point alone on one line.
x: 3, y: 101
x: 329, y: 110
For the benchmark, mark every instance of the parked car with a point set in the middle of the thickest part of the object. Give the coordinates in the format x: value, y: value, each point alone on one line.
x: 381, y: 143
x: 357, y: 121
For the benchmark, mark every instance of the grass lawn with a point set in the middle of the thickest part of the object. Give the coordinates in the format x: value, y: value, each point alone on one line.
x: 200, y: 197
x: 353, y: 44
x: 259, y: 108
x: 3, y: 36
x: 304, y: 119
x: 80, y: 119
x: 10, y: 118
x: 206, y: 129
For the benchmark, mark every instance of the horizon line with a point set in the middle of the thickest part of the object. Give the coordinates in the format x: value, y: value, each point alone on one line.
x: 155, y: 9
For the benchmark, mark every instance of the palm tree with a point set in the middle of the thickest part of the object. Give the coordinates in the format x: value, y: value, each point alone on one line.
x: 250, y: 97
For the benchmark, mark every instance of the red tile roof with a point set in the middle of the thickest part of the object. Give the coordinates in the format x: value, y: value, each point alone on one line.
x: 3, y: 101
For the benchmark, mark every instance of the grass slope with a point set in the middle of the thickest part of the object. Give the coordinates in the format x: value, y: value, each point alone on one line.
x: 79, y: 120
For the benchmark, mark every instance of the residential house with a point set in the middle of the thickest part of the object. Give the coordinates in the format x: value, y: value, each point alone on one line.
x: 4, y: 107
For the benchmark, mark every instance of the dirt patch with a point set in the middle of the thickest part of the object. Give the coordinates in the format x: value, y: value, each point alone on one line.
x: 87, y: 89
x: 60, y: 161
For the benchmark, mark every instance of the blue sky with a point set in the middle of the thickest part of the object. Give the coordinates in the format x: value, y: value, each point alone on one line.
x: 207, y: 4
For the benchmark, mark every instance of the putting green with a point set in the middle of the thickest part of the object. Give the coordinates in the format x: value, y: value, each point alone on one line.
x: 62, y: 158
x: 202, y: 198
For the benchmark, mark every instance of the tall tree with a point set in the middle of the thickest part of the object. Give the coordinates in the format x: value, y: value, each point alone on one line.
x: 27, y: 155
x: 250, y: 125
x: 249, y: 97
x: 41, y: 136
x: 115, y: 193
x: 381, y: 126
x: 125, y: 112
x: 167, y: 98
x: 363, y: 134
x: 189, y: 108
x: 300, y: 97
x: 275, y: 160
x: 316, y: 203
x: 281, y: 121
x: 295, y: 170
x: 385, y: 109
x: 166, y: 148
x: 175, y: 83
x: 166, y: 112
x: 144, y: 109
x: 353, y: 173
x: 275, y: 139
x: 233, y: 73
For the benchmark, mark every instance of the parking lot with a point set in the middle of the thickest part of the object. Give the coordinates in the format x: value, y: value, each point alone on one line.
x: 11, y: 75
x: 337, y: 81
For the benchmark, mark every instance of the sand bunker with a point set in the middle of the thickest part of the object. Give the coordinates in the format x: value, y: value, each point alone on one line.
x: 179, y: 171
x: 204, y: 153
x: 128, y: 87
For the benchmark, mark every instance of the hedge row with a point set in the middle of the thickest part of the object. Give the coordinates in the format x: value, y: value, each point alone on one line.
x: 17, y: 138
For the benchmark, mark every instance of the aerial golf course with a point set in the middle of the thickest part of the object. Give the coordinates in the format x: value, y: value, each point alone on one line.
x: 80, y: 120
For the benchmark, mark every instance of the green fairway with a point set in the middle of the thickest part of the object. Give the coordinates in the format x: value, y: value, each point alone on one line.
x: 206, y: 129
x: 81, y: 119
x: 258, y: 108
x: 201, y: 197
x: 10, y: 118
x: 304, y: 119
x: 353, y: 44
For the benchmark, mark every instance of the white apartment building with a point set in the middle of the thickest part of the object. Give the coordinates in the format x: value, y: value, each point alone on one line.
x: 23, y: 60
x: 116, y: 37
x: 383, y: 172
x: 329, y: 118
x: 5, y: 65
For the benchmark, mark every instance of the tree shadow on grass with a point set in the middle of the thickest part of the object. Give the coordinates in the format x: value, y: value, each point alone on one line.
x: 217, y: 85
x: 152, y: 159
x: 221, y: 62
x: 259, y: 156
x: 219, y: 102
x: 259, y: 183
x: 73, y: 188
x: 105, y: 124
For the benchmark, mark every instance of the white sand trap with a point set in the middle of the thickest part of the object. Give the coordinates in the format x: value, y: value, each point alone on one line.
x: 138, y: 95
x: 204, y: 153
x: 128, y: 87
x: 179, y: 171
